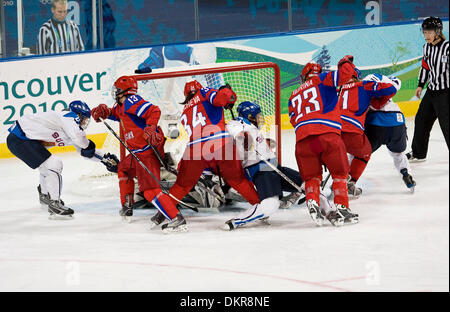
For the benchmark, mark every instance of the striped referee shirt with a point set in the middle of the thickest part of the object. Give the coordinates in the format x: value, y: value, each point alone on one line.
x: 59, y: 37
x: 435, y: 66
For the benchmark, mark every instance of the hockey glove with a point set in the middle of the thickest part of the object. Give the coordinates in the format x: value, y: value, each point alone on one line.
x: 225, y: 97
x: 111, y: 162
x: 101, y: 111
x: 89, y: 151
x: 152, y: 135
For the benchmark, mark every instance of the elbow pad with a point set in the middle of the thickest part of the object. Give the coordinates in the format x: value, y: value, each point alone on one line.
x: 89, y: 151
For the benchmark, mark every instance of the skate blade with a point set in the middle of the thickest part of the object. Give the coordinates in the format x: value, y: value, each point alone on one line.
x: 54, y: 216
x: 411, y: 190
x: 352, y: 221
x: 317, y: 221
x: 127, y: 219
x: 178, y: 229
x: 226, y: 227
x: 337, y: 223
x: 154, y: 225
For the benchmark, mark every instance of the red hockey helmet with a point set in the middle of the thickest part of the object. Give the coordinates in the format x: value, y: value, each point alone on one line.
x: 125, y: 85
x: 310, y: 70
x: 192, y: 86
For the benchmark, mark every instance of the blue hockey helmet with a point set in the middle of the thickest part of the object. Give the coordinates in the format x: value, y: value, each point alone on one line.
x: 252, y: 112
x: 83, y: 111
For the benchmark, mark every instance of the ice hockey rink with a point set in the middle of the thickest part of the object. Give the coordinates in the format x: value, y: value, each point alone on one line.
x: 400, y: 244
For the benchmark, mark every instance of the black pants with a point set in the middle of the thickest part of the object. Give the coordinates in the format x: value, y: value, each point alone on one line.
x: 393, y: 137
x: 31, y: 152
x: 269, y: 183
x: 434, y: 106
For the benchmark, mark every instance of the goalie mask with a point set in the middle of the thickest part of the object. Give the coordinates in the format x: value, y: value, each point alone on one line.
x: 125, y: 85
x: 252, y: 112
x: 83, y: 111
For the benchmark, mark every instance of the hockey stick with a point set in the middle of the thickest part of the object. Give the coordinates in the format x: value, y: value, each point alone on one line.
x: 280, y: 173
x: 324, y: 182
x: 301, y: 200
x: 145, y: 168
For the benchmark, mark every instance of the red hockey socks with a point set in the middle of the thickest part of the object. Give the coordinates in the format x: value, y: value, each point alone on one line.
x: 340, y: 191
x: 163, y: 202
x: 312, y: 189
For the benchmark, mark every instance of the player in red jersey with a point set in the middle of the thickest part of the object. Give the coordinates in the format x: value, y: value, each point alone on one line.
x: 139, y: 121
x: 209, y: 146
x: 354, y: 101
x: 316, y: 118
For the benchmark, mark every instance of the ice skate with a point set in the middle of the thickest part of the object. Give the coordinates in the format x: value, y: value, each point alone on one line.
x: 413, y: 159
x: 58, y: 211
x: 177, y: 225
x: 265, y: 221
x: 349, y: 216
x: 44, y: 199
x: 408, y: 179
x: 229, y: 225
x: 314, y: 212
x: 157, y: 219
x: 127, y: 209
x: 336, y: 218
x: 289, y: 200
x: 353, y: 191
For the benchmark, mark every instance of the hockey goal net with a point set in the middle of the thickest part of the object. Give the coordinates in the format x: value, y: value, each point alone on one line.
x: 255, y: 82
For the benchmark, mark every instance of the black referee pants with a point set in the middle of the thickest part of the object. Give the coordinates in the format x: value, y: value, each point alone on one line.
x: 434, y: 106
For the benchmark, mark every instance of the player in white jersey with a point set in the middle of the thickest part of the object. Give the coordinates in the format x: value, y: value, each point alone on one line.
x: 254, y: 151
x: 32, y: 134
x: 386, y: 126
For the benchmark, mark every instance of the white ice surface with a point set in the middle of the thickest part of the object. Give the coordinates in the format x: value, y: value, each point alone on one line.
x: 400, y: 244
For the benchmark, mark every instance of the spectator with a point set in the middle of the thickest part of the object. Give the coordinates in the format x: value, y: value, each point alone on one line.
x: 59, y: 34
x: 434, y: 105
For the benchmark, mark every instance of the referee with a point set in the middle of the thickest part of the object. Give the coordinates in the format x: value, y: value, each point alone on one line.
x: 434, y: 105
x: 59, y: 34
